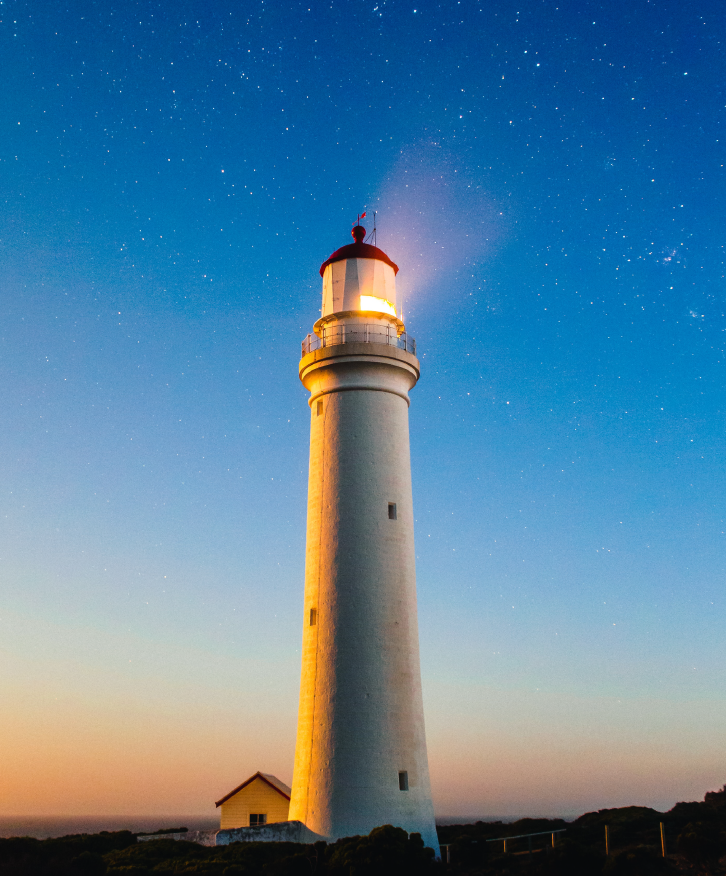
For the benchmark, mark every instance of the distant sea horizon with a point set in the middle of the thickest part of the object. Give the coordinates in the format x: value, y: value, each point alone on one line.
x: 47, y: 827
x: 51, y: 826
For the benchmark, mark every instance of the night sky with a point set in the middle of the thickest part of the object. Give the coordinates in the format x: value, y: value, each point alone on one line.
x: 550, y: 179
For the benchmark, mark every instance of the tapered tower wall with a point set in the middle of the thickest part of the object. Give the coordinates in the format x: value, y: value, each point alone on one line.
x: 361, y: 720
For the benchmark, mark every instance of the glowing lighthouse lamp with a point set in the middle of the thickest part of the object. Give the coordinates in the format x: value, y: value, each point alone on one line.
x: 360, y: 758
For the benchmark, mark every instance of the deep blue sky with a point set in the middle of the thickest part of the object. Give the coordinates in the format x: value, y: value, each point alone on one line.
x: 550, y: 179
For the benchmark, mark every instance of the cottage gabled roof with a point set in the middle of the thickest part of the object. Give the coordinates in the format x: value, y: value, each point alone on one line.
x: 268, y: 779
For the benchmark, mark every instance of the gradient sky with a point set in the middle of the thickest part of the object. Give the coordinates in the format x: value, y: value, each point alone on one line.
x: 550, y: 178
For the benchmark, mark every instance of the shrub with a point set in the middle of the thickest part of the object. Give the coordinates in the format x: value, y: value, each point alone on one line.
x: 88, y: 864
x: 386, y: 851
x: 700, y: 843
x: 638, y: 861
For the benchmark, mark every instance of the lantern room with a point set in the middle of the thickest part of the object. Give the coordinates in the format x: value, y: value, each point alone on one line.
x: 359, y: 278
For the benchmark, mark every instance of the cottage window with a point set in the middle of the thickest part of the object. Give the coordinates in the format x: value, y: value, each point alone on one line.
x: 257, y: 819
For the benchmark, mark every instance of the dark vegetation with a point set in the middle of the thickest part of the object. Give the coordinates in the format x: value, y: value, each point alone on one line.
x: 75, y: 855
x: 386, y: 851
x: 695, y: 835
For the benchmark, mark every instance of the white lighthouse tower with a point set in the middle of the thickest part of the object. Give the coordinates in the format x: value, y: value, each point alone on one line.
x: 360, y: 758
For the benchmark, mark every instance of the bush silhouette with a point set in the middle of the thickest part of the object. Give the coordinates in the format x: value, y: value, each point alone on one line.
x: 386, y: 851
x: 638, y: 861
x: 701, y: 842
x: 88, y: 864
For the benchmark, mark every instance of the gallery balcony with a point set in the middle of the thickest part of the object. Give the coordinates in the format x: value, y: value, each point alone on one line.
x: 358, y: 333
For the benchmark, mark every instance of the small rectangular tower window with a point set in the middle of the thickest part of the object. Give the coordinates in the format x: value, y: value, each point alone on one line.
x: 257, y: 819
x: 319, y: 407
x: 391, y: 510
x: 313, y: 616
x: 403, y: 781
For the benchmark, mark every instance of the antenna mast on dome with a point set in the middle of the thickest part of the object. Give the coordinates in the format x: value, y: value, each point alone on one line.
x: 372, y: 236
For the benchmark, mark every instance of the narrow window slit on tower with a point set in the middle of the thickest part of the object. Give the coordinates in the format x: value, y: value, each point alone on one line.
x: 391, y: 510
x: 313, y: 616
x: 320, y: 407
x: 403, y: 781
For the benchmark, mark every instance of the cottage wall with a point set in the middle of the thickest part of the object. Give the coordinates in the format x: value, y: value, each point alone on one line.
x: 257, y: 797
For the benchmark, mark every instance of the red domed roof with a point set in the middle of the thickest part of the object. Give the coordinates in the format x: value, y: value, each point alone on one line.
x: 358, y: 250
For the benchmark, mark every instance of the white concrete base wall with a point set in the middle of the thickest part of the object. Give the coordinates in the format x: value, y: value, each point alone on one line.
x: 361, y: 712
x: 280, y: 832
x: 201, y: 837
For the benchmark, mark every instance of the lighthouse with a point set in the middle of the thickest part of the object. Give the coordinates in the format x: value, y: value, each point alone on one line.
x: 360, y: 756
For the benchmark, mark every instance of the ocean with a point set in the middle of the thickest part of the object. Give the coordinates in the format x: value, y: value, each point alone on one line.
x: 53, y: 826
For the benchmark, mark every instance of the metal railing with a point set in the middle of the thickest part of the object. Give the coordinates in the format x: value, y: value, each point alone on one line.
x: 358, y: 333
x: 528, y: 836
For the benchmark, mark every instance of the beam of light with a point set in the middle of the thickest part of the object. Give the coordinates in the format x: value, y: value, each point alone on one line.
x: 436, y: 219
x: 379, y: 305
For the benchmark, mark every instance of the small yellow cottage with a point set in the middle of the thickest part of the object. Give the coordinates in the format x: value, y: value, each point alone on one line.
x: 262, y: 799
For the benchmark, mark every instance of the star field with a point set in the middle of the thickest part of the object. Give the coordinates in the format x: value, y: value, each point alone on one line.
x: 550, y: 179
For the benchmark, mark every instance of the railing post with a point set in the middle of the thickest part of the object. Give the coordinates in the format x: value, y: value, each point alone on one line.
x: 505, y: 847
x: 662, y: 839
x: 607, y: 841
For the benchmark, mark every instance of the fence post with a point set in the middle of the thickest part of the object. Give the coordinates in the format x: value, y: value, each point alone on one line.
x: 553, y: 839
x: 662, y: 839
x: 607, y: 841
x: 505, y: 847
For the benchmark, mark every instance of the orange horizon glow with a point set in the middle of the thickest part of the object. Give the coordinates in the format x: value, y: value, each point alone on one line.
x: 155, y: 752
